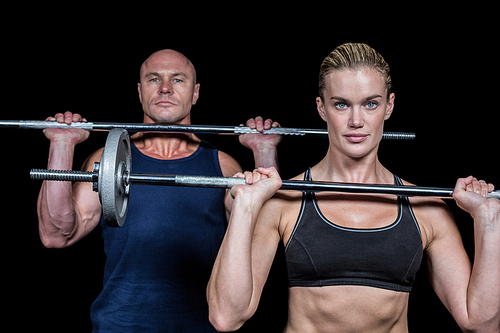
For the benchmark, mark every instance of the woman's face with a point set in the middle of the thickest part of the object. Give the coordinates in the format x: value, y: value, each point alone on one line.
x: 355, y: 106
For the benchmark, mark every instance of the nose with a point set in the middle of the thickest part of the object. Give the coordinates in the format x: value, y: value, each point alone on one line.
x: 356, y: 118
x: 165, y: 88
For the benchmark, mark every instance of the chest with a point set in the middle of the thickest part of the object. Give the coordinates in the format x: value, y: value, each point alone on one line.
x: 170, y: 225
x: 357, y: 211
x: 347, y: 211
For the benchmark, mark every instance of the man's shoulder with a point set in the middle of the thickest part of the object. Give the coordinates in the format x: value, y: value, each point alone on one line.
x: 228, y: 164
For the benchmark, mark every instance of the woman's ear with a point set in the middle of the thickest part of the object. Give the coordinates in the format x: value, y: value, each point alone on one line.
x: 390, y: 106
x: 321, y: 108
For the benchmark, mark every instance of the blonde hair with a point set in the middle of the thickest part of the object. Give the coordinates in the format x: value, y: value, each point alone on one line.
x: 354, y: 56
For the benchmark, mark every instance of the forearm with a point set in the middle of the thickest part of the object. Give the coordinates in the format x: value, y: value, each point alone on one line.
x: 483, y: 297
x: 231, y: 287
x: 263, y: 146
x: 56, y: 211
x: 266, y: 156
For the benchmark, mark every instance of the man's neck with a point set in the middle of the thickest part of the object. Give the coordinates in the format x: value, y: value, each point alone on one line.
x: 166, y: 146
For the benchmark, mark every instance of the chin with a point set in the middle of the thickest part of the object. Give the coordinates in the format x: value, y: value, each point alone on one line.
x: 167, y: 117
x: 359, y: 151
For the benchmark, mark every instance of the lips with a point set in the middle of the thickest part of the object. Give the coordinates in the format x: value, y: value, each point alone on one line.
x: 356, y: 137
x: 165, y: 102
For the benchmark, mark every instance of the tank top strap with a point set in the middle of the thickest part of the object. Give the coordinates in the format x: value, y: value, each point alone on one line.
x: 307, y: 196
x: 398, y: 180
x: 307, y: 175
x: 407, y: 210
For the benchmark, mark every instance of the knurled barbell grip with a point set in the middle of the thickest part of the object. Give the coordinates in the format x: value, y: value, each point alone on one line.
x: 63, y: 175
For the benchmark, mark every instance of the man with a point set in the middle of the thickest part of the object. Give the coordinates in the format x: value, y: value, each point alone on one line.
x: 159, y: 262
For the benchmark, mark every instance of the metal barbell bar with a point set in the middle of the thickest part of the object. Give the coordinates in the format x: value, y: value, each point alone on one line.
x: 200, y: 129
x: 112, y: 178
x: 229, y: 182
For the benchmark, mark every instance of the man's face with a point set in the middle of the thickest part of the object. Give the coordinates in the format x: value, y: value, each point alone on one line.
x: 168, y: 89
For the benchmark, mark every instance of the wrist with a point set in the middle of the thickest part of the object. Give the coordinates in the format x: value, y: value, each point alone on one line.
x: 266, y: 156
x: 62, y: 141
x: 264, y: 146
x: 247, y: 202
x: 488, y: 212
x: 61, y: 153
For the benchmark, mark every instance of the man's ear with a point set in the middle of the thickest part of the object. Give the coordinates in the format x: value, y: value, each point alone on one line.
x: 139, y: 89
x: 196, y: 93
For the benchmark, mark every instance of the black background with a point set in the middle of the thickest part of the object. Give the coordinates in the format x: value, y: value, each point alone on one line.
x: 248, y: 63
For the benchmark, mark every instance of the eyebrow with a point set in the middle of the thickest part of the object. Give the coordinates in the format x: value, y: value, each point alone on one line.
x: 345, y: 100
x: 158, y: 74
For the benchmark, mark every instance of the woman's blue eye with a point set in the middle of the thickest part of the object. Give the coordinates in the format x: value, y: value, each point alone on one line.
x: 341, y: 105
x: 371, y: 105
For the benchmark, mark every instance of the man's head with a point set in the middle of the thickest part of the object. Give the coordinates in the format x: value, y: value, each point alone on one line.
x: 167, y: 87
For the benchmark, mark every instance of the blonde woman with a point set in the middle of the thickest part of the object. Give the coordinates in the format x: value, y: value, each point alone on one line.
x: 351, y: 258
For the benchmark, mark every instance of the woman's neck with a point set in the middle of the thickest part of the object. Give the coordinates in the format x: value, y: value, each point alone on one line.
x: 337, y: 167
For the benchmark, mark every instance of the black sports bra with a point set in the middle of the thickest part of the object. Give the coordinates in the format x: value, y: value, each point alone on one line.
x: 321, y: 253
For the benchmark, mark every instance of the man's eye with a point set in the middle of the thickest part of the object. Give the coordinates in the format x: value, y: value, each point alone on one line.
x: 154, y: 80
x: 177, y: 80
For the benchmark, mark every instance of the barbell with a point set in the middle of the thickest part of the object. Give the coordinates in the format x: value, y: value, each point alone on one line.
x: 200, y: 129
x: 112, y: 177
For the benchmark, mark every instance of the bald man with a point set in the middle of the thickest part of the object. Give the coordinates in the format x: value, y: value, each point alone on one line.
x: 158, y: 264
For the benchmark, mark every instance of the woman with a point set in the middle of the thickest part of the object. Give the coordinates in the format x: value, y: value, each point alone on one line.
x: 352, y: 258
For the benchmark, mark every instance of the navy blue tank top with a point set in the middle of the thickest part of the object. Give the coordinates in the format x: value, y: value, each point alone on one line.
x: 159, y: 263
x: 322, y: 253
